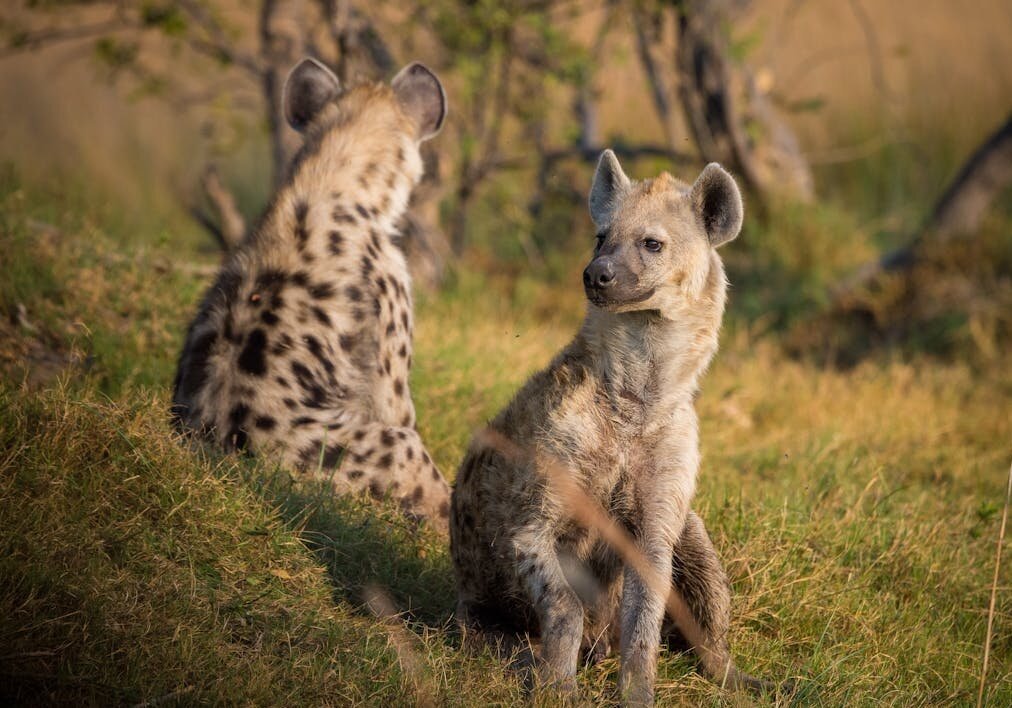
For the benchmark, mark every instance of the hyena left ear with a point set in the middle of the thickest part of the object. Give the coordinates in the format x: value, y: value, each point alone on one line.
x: 309, y: 87
x: 717, y: 201
x: 421, y: 94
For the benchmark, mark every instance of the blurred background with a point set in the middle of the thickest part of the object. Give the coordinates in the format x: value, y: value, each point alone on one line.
x: 845, y: 121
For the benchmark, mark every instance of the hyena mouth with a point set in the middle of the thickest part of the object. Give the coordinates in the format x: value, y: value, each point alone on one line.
x: 604, y: 298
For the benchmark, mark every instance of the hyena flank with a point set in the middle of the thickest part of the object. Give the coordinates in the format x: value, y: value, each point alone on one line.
x: 302, y: 346
x: 614, y: 411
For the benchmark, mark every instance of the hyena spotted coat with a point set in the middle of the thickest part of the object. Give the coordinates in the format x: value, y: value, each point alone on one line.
x: 302, y: 347
x: 614, y: 412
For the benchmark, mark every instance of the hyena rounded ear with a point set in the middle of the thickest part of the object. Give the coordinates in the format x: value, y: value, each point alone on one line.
x: 309, y: 87
x: 717, y: 201
x: 610, y: 184
x: 421, y: 94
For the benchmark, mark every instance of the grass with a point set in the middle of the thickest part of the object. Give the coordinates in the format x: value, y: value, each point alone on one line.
x: 856, y: 511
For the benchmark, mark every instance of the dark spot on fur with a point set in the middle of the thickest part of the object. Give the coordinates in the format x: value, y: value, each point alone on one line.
x: 391, y: 328
x: 359, y: 435
x: 332, y: 455
x: 362, y: 211
x: 340, y: 216
x: 300, y: 278
x: 268, y: 318
x: 321, y: 316
x: 376, y: 489
x: 289, y: 403
x: 386, y: 365
x: 253, y: 357
x: 193, y: 371
x: 444, y: 509
x: 354, y: 293
x: 301, y: 232
x: 417, y: 494
x: 367, y: 266
x: 435, y: 474
x: 264, y: 422
x: 387, y: 438
x: 355, y: 474
x: 303, y: 421
x: 316, y: 349
x: 399, y: 387
x: 270, y: 279
x: 336, y: 245
x: 385, y: 461
x: 410, y: 452
x: 381, y: 283
x: 403, y: 351
x: 321, y: 291
x: 347, y: 342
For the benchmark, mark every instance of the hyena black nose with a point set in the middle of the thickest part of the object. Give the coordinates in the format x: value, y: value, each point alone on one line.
x: 599, y: 274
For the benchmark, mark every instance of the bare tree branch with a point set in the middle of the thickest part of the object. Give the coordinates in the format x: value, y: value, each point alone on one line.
x: 232, y: 225
x: 217, y: 44
x: 33, y: 41
x: 960, y: 210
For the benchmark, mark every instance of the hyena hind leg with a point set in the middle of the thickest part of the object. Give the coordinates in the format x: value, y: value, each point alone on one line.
x: 698, y: 576
x: 385, y: 461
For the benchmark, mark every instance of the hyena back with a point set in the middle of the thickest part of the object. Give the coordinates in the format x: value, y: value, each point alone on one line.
x: 302, y: 346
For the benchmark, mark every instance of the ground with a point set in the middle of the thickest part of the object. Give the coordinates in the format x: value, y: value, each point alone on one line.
x: 857, y: 509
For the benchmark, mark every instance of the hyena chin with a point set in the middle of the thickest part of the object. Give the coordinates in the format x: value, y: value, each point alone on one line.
x: 610, y: 424
x: 302, y: 346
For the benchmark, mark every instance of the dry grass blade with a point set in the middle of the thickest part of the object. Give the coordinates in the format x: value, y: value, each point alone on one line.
x: 403, y: 642
x: 994, y: 591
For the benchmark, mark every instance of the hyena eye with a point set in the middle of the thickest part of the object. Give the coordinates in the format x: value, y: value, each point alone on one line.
x: 652, y: 245
x: 600, y: 242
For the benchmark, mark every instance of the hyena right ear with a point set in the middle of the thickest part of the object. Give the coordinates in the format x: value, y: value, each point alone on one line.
x: 610, y: 184
x: 421, y: 94
x: 309, y: 87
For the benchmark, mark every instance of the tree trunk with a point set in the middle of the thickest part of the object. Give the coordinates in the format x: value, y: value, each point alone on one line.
x: 282, y: 45
x: 959, y: 211
x: 721, y: 104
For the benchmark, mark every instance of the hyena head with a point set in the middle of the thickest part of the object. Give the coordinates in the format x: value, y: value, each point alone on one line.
x: 655, y: 237
x: 411, y: 108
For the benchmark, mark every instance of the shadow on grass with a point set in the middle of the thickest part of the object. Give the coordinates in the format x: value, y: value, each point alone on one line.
x: 365, y: 546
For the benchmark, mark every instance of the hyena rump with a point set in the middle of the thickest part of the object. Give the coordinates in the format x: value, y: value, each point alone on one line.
x: 614, y: 413
x: 302, y: 346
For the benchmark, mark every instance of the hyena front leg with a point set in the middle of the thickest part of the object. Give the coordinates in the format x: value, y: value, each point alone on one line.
x: 383, y: 461
x: 698, y: 576
x: 557, y: 606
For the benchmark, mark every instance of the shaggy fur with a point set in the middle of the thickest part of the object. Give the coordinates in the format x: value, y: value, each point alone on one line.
x: 615, y: 411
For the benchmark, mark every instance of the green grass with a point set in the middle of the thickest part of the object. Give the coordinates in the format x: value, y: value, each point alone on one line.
x: 856, y: 511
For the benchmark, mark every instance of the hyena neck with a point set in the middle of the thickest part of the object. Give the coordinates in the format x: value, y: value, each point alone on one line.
x: 656, y: 357
x: 352, y: 180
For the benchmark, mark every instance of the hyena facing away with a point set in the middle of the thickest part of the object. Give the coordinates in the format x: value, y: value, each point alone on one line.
x: 302, y: 347
x: 614, y: 412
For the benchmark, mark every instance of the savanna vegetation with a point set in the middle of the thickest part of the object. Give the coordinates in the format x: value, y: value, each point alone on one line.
x: 856, y: 424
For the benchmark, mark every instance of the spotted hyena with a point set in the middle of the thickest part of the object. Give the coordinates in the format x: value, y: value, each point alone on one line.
x: 302, y: 347
x: 614, y: 412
